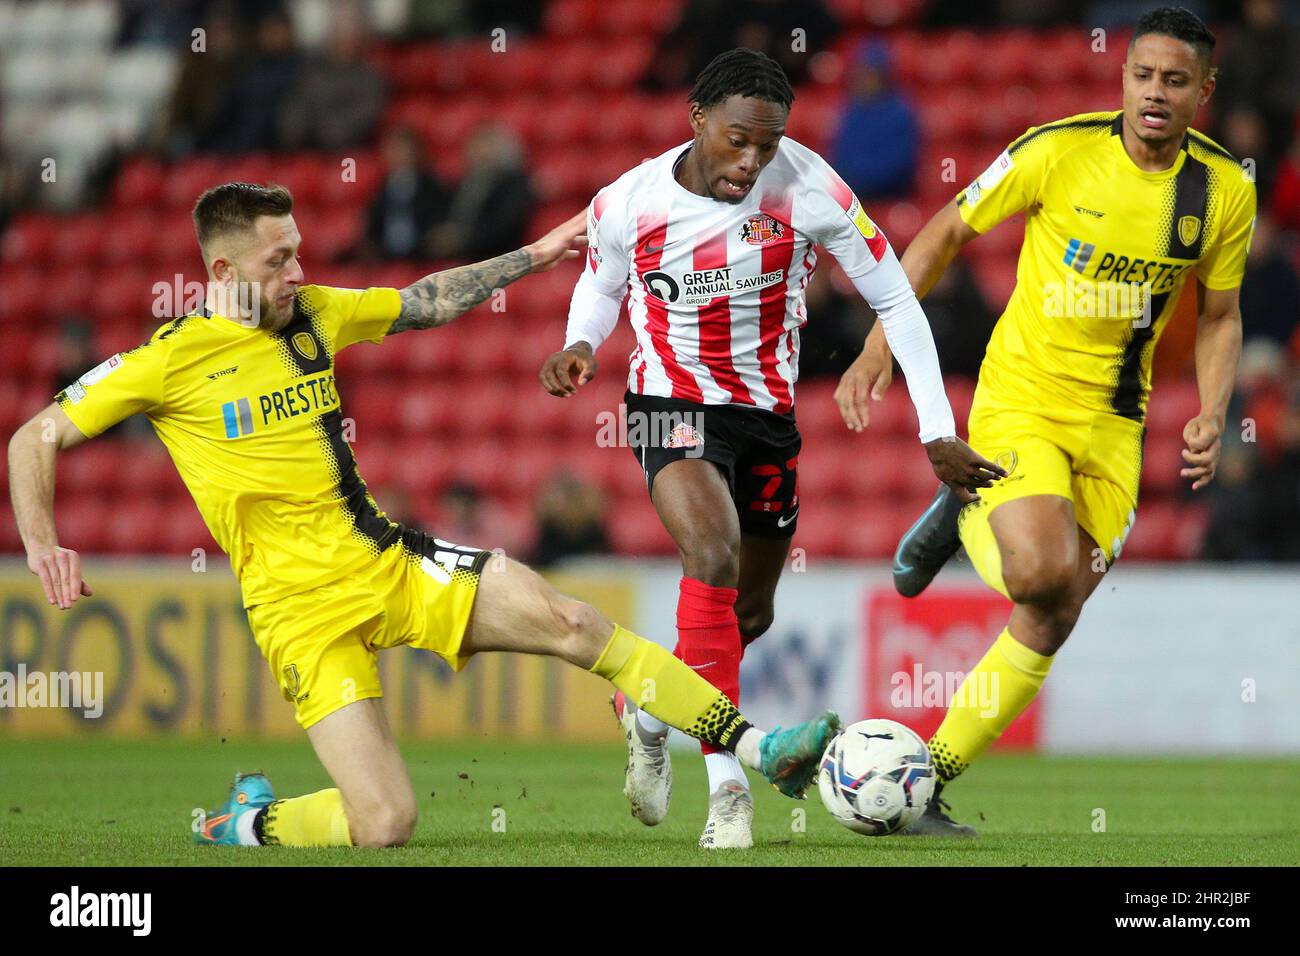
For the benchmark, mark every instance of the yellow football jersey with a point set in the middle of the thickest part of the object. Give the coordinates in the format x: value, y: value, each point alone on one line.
x: 1107, y: 250
x: 253, y: 423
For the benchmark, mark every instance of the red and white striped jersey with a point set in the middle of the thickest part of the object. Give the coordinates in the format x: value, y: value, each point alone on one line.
x: 716, y: 290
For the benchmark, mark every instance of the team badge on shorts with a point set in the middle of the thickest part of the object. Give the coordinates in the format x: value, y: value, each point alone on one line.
x: 305, y: 345
x: 291, y: 681
x: 684, y: 436
x: 1007, y: 461
x: 759, y: 230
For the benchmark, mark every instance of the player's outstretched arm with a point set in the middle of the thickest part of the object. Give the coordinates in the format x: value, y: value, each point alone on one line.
x: 32, y: 451
x: 1218, y: 347
x: 924, y: 262
x: 438, y: 298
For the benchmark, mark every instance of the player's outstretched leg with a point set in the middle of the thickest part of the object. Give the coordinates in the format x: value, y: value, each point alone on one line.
x: 516, y: 610
x: 232, y: 824
x: 928, y: 544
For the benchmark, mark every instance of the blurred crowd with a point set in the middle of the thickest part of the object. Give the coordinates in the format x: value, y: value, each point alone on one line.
x: 283, y: 75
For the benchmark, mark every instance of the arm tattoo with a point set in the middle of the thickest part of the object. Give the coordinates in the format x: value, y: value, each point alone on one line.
x: 438, y: 298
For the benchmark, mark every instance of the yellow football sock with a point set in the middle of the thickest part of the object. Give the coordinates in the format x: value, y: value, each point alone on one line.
x: 663, y: 686
x: 316, y: 819
x: 992, y: 695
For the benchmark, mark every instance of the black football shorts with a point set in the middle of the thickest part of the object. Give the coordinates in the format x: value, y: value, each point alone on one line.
x: 757, y: 452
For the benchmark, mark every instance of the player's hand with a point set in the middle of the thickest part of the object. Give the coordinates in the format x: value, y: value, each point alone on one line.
x: 60, y: 572
x: 565, y: 241
x: 563, y: 372
x: 959, y: 467
x: 868, y: 377
x: 1202, y: 435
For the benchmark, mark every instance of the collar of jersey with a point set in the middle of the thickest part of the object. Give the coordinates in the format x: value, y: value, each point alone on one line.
x: 225, y: 323
x: 1126, y: 161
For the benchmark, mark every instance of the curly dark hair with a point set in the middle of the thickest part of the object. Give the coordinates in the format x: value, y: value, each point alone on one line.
x: 742, y: 72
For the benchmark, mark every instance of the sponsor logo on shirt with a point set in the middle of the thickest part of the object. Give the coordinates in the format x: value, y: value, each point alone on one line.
x: 989, y: 178
x: 238, y: 418
x: 760, y: 230
x: 703, y: 286
x: 103, y: 370
x: 861, y: 220
x: 307, y: 397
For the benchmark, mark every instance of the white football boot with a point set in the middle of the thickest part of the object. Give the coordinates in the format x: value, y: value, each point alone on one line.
x: 731, y: 818
x: 648, y: 780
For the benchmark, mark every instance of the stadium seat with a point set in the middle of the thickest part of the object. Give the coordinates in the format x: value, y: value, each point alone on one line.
x: 1162, y: 459
x: 953, y: 59
x: 1171, y: 406
x: 636, y: 531
x: 871, y: 531
x: 82, y: 523
x: 423, y: 466
x: 566, y: 18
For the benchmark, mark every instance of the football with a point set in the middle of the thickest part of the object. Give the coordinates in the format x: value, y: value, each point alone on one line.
x: 876, y: 777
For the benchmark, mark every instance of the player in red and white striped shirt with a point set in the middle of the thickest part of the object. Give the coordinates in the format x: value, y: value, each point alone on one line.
x: 713, y: 245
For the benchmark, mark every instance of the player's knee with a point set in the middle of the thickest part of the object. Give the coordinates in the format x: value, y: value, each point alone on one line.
x: 711, y: 559
x: 1038, y: 577
x: 389, y: 824
x: 582, y: 631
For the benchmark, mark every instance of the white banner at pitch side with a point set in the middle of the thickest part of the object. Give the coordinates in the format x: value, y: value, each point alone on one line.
x: 1187, y: 659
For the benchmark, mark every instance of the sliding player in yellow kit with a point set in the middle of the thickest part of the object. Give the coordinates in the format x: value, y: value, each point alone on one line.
x: 243, y: 396
x: 1121, y: 208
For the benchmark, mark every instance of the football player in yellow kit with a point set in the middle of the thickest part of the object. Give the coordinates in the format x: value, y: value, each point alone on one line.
x: 242, y: 394
x: 1121, y: 208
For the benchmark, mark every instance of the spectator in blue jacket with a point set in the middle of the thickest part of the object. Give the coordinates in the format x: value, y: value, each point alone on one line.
x: 878, y: 139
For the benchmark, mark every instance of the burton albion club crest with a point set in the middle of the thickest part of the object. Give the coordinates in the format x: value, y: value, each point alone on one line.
x: 304, y: 345
x: 1189, y: 227
x: 760, y: 230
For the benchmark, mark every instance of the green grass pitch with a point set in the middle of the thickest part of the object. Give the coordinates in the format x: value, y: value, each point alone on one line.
x: 107, y: 803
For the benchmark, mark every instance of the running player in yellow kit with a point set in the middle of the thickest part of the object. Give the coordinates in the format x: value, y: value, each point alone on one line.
x: 1120, y: 208
x: 242, y: 394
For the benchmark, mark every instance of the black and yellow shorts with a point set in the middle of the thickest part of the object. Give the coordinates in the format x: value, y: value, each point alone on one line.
x: 322, y: 644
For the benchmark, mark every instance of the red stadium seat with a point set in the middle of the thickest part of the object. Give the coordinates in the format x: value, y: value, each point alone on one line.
x: 139, y: 185
x: 80, y: 239
x: 1154, y: 535
x: 131, y: 236
x: 82, y: 522
x: 1171, y: 406
x: 1008, y: 60
x: 1060, y: 57
x: 424, y: 466
x: 89, y: 467
x: 186, y: 180
x: 637, y: 531
x: 953, y: 58
x: 872, y: 530
x: 1162, y: 459
x: 567, y: 18
x: 821, y: 531
x: 24, y: 296
x: 823, y: 470
x: 28, y: 238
